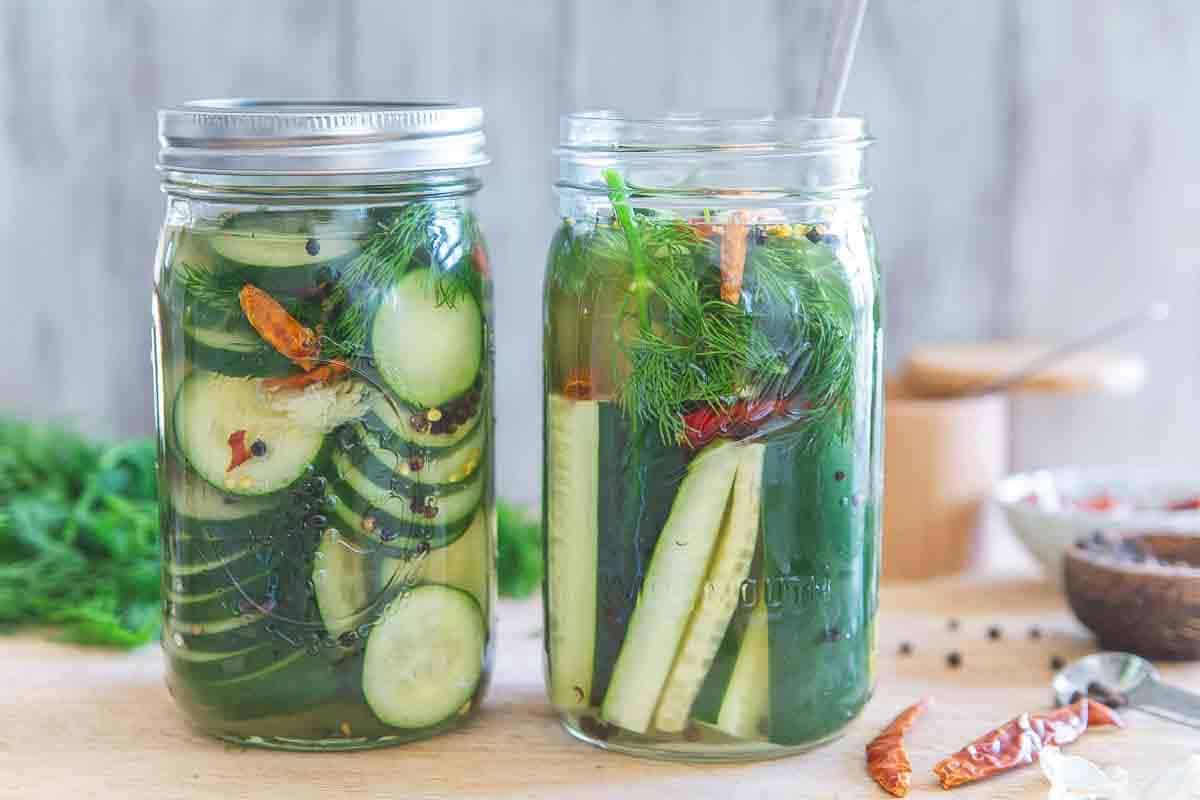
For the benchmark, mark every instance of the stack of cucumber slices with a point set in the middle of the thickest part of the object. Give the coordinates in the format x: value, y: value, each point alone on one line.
x: 328, y: 548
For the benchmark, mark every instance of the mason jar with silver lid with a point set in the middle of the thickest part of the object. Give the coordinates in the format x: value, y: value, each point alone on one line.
x: 323, y: 378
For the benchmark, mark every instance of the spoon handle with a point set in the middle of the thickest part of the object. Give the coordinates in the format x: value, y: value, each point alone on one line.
x: 1168, y: 702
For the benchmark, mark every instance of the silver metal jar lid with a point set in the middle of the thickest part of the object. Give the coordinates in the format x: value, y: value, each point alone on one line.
x: 288, y: 137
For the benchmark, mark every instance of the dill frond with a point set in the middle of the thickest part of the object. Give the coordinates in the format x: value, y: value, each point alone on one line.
x: 205, y: 285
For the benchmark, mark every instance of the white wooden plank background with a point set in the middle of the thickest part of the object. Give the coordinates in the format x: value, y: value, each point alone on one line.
x: 1036, y: 168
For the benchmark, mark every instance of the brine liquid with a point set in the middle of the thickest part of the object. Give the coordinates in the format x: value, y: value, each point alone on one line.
x: 790, y: 664
x: 270, y: 600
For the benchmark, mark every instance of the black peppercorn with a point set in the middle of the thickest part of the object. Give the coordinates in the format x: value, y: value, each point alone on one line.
x: 387, y: 534
x: 312, y: 247
x: 258, y: 448
x: 954, y: 659
x: 839, y: 476
x: 813, y: 236
x: 347, y: 639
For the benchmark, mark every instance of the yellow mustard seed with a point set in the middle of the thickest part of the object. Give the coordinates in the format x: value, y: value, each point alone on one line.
x: 345, y: 729
x: 433, y: 415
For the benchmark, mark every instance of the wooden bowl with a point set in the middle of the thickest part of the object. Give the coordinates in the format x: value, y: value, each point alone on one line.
x: 1150, y: 608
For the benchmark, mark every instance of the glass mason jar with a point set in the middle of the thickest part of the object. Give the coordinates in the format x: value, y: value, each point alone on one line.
x: 323, y: 371
x: 712, y: 435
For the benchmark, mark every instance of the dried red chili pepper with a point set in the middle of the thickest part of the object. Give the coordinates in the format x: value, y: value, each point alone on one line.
x: 1191, y: 504
x: 238, y: 452
x: 479, y: 260
x: 579, y: 384
x: 322, y: 374
x: 738, y: 421
x: 1020, y: 741
x: 733, y: 257
x: 887, y: 760
x: 279, y: 328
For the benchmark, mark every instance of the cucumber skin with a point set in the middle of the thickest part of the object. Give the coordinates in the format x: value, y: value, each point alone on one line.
x: 261, y: 363
x: 675, y: 579
x: 398, y: 433
x: 816, y: 579
x: 635, y: 501
x: 295, y: 682
x: 189, y: 608
x: 386, y: 476
x: 349, y: 508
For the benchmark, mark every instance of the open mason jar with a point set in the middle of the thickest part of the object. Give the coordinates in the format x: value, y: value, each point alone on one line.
x: 323, y: 366
x: 713, y: 355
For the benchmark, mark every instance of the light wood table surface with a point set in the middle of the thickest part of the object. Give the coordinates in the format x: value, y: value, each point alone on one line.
x: 78, y: 723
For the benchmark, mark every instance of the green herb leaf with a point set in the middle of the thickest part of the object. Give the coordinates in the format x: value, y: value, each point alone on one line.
x: 519, y: 551
x: 78, y: 535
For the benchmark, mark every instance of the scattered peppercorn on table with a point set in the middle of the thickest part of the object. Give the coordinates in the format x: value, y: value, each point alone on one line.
x: 88, y: 723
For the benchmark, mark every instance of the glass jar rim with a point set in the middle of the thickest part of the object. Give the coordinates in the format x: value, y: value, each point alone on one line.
x: 609, y: 131
x: 274, y: 137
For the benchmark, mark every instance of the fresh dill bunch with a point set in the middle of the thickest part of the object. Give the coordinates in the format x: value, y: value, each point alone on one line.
x: 78, y: 535
x: 383, y: 260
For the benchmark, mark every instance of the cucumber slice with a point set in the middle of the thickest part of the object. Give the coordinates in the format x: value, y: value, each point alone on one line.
x: 455, y: 502
x: 392, y: 471
x: 208, y: 561
x: 234, y: 351
x: 452, y: 466
x: 220, y: 636
x: 426, y: 351
x: 211, y: 407
x: 465, y: 564
x: 744, y: 709
x: 295, y: 682
x: 672, y: 587
x: 204, y: 510
x: 212, y: 606
x: 228, y: 575
x: 572, y: 546
x: 341, y: 583
x: 273, y: 239
x: 424, y: 657
x: 722, y: 591
x: 387, y: 535
x: 385, y: 417
x: 217, y: 666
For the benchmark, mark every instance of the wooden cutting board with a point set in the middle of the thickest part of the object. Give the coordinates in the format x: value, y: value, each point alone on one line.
x: 83, y: 723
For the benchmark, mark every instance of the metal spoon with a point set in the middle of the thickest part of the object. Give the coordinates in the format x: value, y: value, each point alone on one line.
x: 1132, y: 678
x: 1156, y: 312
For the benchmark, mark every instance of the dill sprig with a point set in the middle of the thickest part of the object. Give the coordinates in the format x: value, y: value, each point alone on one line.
x: 203, y: 284
x: 384, y: 259
x: 801, y: 293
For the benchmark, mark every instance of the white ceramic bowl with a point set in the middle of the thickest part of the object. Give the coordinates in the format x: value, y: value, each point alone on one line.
x: 1050, y: 525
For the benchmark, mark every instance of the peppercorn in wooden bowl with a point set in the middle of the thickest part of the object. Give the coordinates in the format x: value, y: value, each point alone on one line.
x: 1138, y: 592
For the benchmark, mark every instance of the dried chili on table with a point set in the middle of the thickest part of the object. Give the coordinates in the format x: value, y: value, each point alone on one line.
x: 1020, y: 741
x: 887, y: 760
